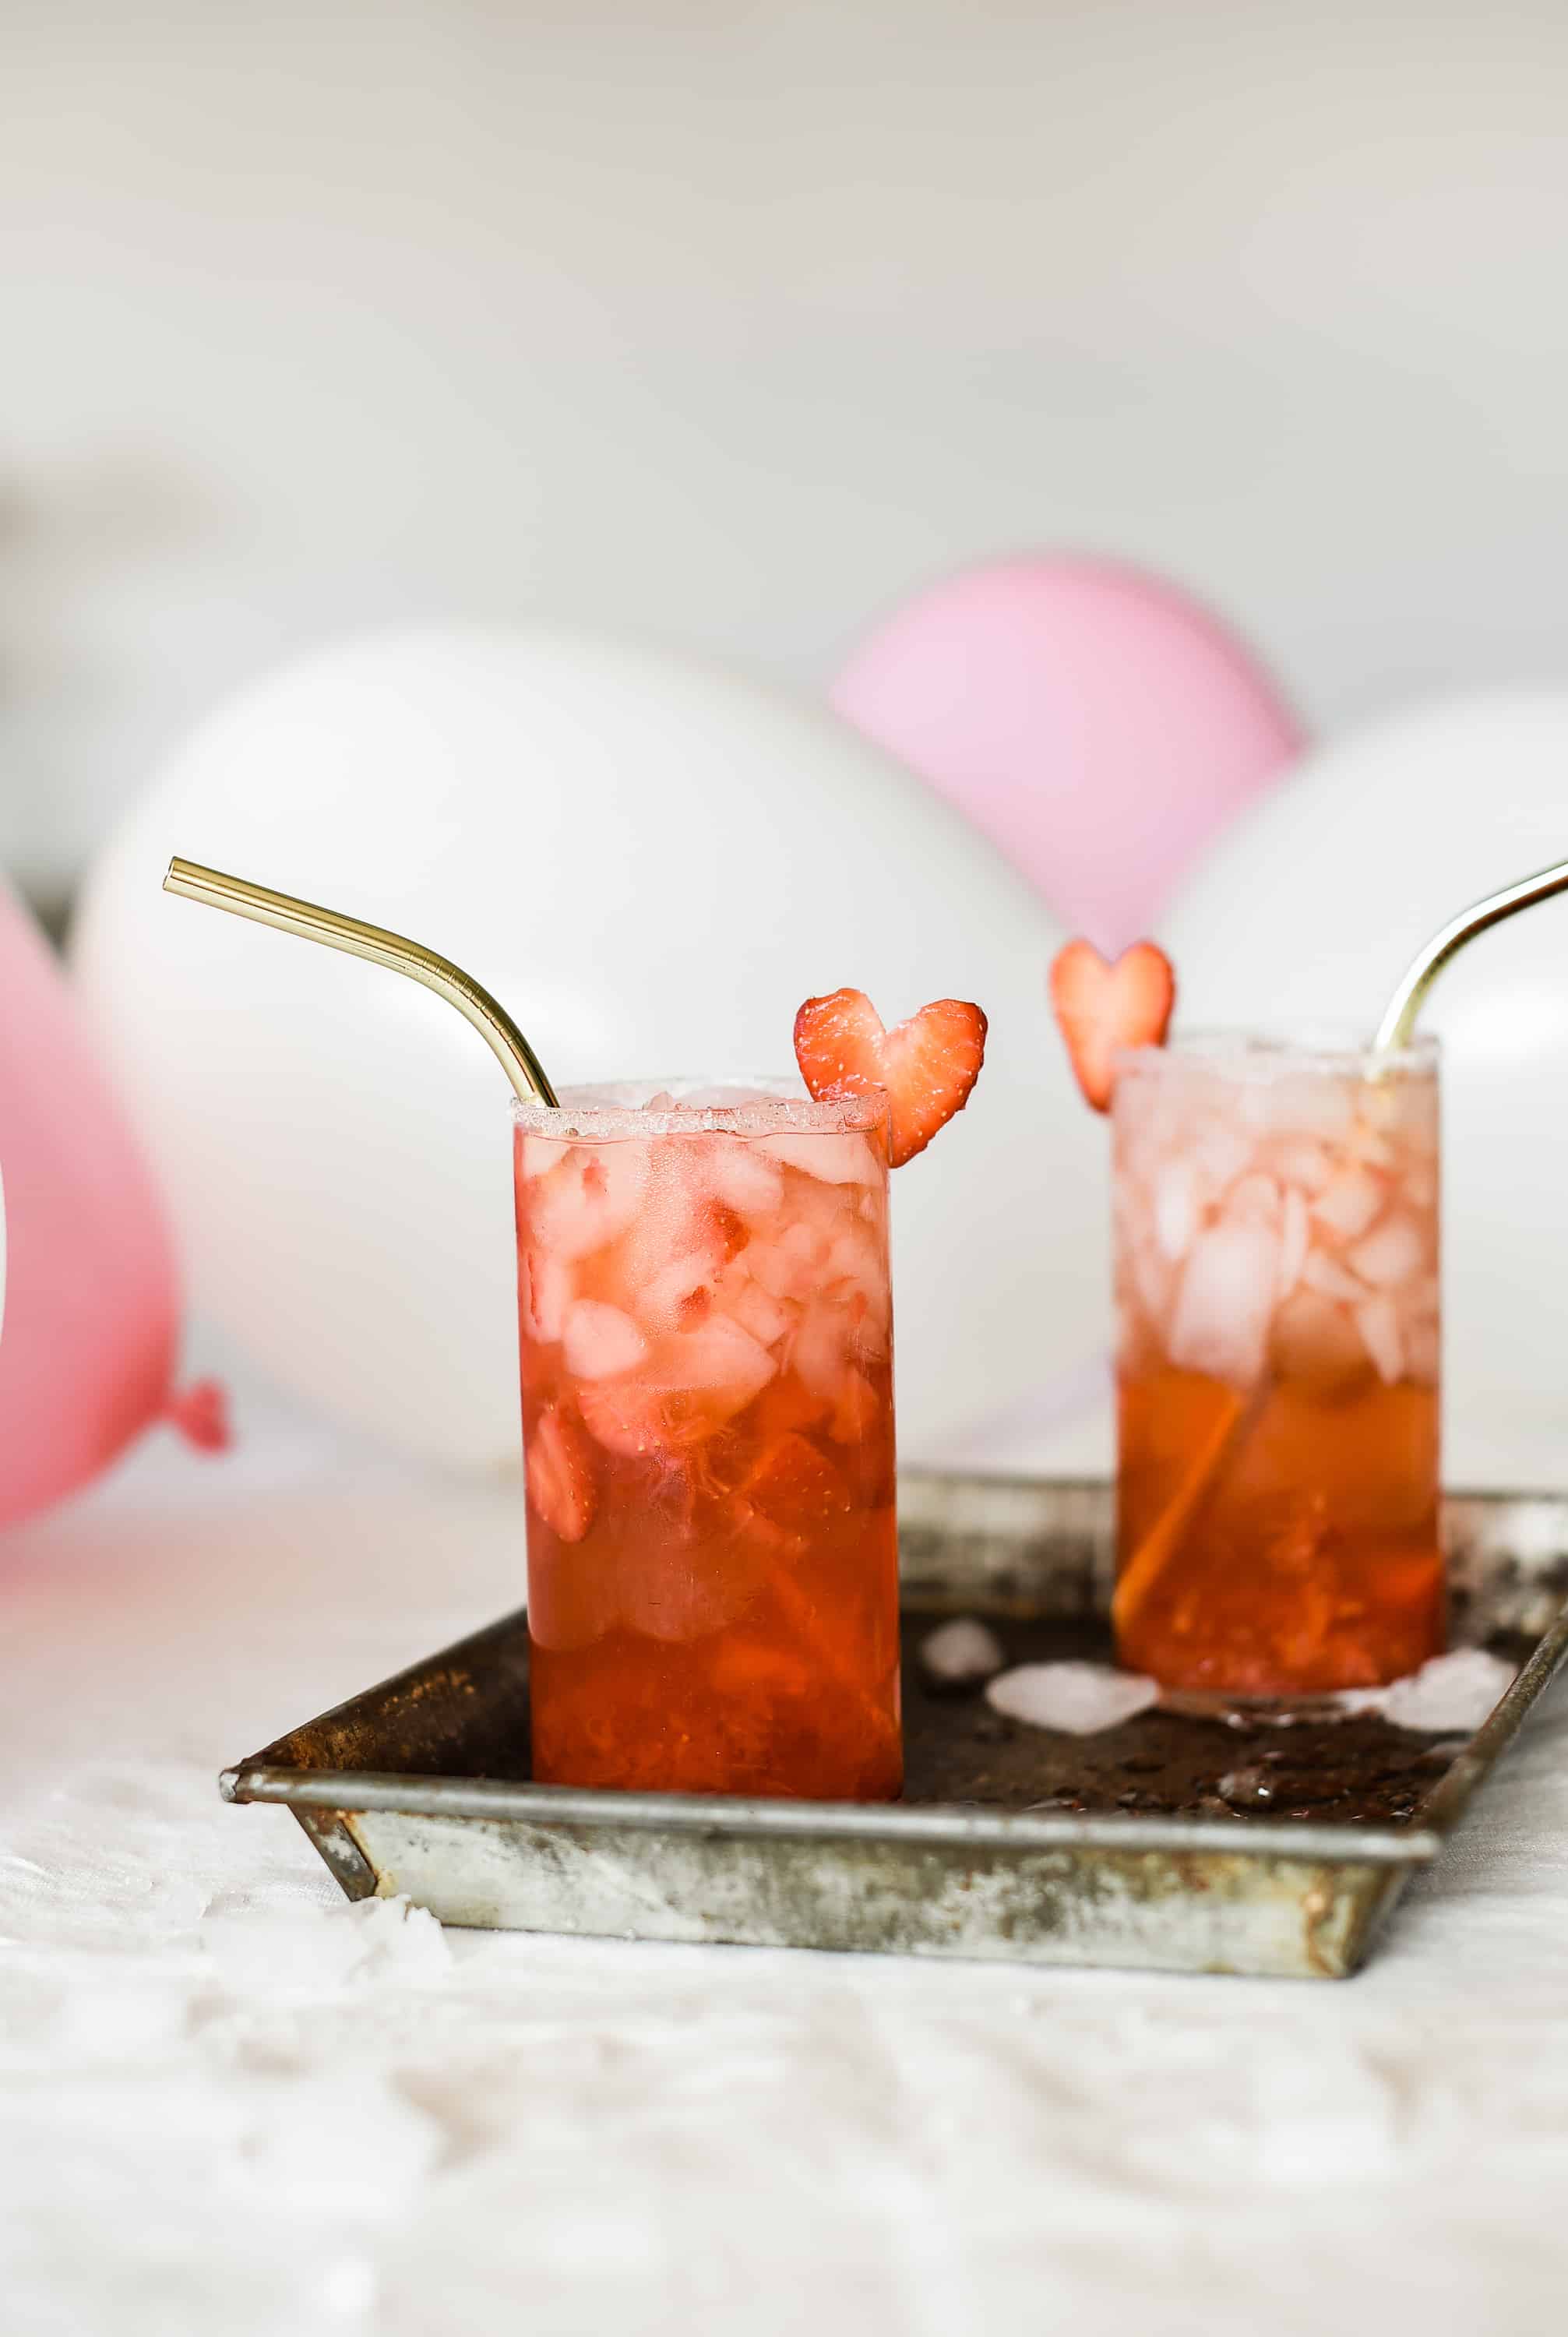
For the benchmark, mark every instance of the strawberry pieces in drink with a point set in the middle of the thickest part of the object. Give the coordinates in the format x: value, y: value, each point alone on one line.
x: 926, y: 1067
x: 562, y: 1482
x: 690, y: 1385
x: 1102, y: 1006
x: 796, y: 1489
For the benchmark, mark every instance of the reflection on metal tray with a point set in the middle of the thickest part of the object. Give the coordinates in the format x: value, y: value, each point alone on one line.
x: 1223, y: 1843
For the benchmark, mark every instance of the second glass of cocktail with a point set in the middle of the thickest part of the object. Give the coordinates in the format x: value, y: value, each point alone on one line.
x: 707, y: 1358
x: 1276, y: 1278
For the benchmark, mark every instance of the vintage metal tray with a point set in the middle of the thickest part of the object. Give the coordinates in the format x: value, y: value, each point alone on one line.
x: 1231, y: 1841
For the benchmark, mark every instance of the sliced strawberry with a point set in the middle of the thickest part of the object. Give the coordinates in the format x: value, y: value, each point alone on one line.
x: 562, y: 1484
x: 926, y: 1066
x: 797, y: 1489
x: 1100, y: 1007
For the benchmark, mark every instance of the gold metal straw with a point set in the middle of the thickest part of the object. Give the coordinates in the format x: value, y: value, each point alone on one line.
x: 312, y: 923
x: 1399, y: 1017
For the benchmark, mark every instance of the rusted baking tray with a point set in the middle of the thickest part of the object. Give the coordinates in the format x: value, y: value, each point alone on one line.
x: 1011, y: 1842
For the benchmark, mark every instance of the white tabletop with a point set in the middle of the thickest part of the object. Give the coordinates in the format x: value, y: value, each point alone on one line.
x: 232, y: 2104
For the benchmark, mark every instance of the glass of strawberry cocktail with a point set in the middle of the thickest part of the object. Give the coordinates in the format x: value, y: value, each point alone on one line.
x: 1276, y: 1282
x: 1277, y: 1287
x: 708, y: 1413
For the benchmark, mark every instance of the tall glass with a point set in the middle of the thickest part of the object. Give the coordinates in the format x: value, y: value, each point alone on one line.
x: 1277, y: 1281
x: 707, y: 1355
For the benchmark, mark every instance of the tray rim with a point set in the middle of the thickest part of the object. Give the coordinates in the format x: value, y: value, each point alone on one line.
x: 713, y: 1815
x: 257, y: 1779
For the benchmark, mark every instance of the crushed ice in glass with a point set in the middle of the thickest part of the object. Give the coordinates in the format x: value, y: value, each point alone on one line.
x: 1078, y: 1699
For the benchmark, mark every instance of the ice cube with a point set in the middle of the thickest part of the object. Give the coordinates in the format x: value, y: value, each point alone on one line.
x: 601, y: 1341
x: 1347, y: 1207
x: 1292, y: 1242
x: 1154, y: 1280
x: 1253, y: 1200
x: 853, y: 1273
x: 1175, y: 1209
x: 788, y: 1266
x: 678, y: 1243
x: 819, y: 1353
x: 1077, y: 1699
x: 1329, y: 1279
x: 1217, y: 1153
x: 663, y: 1101
x: 680, y: 1291
x: 538, y: 1154
x: 767, y: 1318
x: 1366, y: 1143
x: 962, y: 1653
x: 544, y: 1290
x: 1225, y: 1297
x: 833, y: 1158
x: 1390, y: 1255
x: 687, y: 1387
x: 722, y: 1359
x: 1299, y: 1162
x: 588, y: 1199
x: 1421, y: 1187
x: 1452, y: 1692
x: 740, y: 1174
x: 1377, y: 1320
x: 682, y: 1586
x: 688, y: 1594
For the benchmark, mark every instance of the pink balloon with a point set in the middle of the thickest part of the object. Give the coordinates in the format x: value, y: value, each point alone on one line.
x: 88, y: 1339
x: 1099, y: 725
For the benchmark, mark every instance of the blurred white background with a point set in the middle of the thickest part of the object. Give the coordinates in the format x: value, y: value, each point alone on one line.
x: 728, y: 324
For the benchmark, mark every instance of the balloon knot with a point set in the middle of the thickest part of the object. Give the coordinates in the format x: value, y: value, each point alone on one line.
x: 201, y: 1413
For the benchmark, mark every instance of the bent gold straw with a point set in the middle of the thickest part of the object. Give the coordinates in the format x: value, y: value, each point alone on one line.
x: 1399, y: 1016
x: 331, y: 927
x: 523, y: 1068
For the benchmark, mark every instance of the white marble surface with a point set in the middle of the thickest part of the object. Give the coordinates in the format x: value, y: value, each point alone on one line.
x: 232, y: 2105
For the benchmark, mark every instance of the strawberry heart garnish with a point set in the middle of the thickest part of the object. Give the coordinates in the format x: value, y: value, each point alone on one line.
x: 1100, y: 1007
x: 926, y: 1066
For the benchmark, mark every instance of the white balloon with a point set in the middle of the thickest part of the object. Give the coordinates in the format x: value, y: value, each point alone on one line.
x: 1311, y: 908
x: 652, y: 863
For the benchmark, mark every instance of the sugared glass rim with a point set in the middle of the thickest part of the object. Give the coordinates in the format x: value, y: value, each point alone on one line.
x: 1260, y: 1057
x: 770, y: 1105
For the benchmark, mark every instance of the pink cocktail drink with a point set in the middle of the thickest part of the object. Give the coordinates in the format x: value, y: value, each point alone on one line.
x: 706, y: 1329
x: 1276, y: 1247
